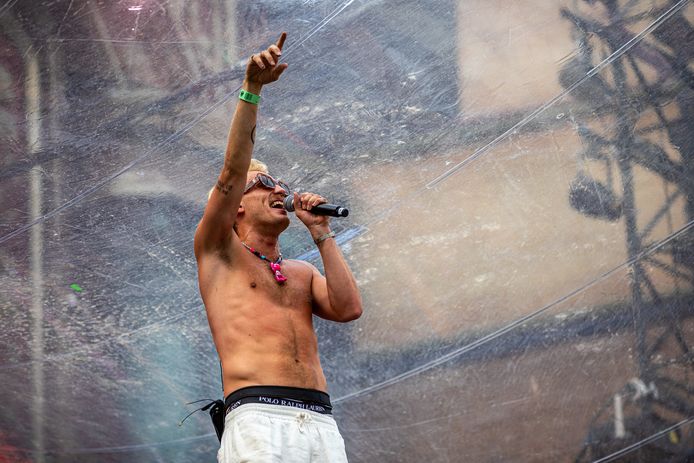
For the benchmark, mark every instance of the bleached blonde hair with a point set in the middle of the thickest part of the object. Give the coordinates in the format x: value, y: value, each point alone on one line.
x: 255, y: 165
x: 259, y: 166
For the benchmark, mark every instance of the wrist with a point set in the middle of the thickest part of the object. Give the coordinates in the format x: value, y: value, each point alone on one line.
x: 317, y: 232
x: 324, y: 237
x: 253, y: 87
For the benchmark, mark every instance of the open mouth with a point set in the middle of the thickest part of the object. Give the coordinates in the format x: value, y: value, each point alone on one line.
x: 277, y: 204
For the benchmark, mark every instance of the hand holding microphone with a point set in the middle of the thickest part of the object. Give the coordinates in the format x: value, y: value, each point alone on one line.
x: 316, y: 205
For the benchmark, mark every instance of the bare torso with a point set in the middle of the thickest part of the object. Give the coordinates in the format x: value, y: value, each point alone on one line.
x: 263, y: 331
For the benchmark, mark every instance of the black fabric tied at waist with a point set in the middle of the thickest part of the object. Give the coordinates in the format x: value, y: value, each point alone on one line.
x: 216, y: 408
x: 296, y: 397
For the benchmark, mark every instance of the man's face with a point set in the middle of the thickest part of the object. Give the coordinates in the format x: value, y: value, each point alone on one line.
x: 263, y: 205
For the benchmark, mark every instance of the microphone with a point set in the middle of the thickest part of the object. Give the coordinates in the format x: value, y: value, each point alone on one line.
x: 322, y: 209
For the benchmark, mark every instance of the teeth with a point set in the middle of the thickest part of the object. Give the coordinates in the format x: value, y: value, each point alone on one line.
x: 275, y: 203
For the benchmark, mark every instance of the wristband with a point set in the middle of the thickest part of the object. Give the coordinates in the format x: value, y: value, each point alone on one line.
x: 320, y: 239
x: 249, y: 97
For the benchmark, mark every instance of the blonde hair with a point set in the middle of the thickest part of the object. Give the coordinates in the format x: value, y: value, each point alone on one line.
x: 255, y: 165
x: 259, y: 166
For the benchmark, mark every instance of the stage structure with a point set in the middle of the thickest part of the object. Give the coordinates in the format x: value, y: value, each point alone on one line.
x: 653, y: 403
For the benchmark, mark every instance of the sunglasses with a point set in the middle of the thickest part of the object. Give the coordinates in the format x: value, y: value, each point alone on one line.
x: 267, y: 182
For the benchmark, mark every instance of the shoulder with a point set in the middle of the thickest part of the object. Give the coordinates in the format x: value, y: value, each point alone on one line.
x: 304, y: 266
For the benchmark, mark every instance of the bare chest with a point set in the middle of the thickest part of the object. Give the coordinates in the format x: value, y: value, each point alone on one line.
x: 258, y: 279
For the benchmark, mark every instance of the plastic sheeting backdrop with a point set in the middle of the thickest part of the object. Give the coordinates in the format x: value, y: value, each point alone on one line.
x: 520, y: 179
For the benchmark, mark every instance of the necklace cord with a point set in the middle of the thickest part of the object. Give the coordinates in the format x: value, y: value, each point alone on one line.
x: 274, y: 265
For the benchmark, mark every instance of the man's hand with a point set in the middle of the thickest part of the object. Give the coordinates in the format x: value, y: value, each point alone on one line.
x: 318, y: 225
x: 262, y: 67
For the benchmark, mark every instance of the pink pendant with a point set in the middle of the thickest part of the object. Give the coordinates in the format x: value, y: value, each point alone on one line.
x: 278, y: 273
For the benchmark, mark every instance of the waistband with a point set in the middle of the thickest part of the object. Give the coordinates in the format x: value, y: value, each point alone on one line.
x: 296, y: 397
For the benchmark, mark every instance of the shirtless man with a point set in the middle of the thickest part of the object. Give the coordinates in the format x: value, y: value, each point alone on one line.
x: 260, y: 307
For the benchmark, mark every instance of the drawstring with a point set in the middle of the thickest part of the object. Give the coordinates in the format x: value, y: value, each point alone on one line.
x: 303, y: 418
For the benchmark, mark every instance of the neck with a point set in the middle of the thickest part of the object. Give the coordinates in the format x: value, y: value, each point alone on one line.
x: 267, y: 244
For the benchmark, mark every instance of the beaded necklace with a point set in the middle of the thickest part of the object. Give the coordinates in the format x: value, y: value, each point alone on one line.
x: 274, y: 266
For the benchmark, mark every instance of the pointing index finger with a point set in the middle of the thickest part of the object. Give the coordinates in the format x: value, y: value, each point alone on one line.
x: 280, y: 41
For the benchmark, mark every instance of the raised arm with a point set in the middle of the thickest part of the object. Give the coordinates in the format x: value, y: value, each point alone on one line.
x: 215, y: 229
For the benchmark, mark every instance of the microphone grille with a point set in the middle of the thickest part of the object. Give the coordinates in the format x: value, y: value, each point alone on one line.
x: 289, y: 203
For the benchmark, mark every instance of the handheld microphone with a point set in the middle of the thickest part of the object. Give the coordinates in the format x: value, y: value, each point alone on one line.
x: 321, y: 209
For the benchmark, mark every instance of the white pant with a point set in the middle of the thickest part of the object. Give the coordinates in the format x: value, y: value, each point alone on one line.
x: 261, y: 433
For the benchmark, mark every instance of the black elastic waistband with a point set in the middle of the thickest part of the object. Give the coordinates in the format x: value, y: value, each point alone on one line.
x: 305, y: 399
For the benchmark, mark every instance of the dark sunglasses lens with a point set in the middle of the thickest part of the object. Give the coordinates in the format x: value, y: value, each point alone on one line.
x: 284, y: 186
x: 266, y: 181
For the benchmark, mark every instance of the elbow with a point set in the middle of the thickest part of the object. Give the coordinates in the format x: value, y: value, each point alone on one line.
x: 352, y: 314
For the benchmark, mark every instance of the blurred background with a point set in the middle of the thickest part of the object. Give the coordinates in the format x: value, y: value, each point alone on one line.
x: 520, y: 179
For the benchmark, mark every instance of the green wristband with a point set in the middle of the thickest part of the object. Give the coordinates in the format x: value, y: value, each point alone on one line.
x: 249, y: 97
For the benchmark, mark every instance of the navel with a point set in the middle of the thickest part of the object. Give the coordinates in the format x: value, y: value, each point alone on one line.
x: 252, y: 284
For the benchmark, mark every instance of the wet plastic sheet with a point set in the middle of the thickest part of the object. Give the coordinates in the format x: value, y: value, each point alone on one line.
x: 519, y: 176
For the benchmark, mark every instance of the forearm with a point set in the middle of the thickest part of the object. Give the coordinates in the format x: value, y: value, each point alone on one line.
x: 343, y: 293
x: 241, y: 138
